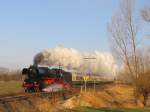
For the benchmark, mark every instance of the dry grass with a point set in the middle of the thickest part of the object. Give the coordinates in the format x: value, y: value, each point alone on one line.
x: 113, y: 96
x: 34, y: 104
x: 10, y: 87
x: 44, y: 105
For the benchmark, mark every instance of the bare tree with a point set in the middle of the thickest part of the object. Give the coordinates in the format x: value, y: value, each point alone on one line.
x: 143, y: 83
x: 123, y: 30
x: 145, y: 13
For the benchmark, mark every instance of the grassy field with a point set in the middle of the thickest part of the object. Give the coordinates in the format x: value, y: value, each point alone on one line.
x: 10, y: 87
x: 87, y: 109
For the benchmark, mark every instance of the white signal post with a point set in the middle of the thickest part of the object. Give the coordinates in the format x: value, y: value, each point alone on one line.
x: 89, y: 58
x: 85, y: 79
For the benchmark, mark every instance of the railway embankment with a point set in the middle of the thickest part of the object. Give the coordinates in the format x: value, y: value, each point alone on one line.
x: 34, y: 104
x: 111, y: 96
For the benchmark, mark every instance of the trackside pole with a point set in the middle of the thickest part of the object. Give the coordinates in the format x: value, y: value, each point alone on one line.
x: 94, y: 84
x: 81, y: 89
x: 85, y: 85
x: 85, y: 79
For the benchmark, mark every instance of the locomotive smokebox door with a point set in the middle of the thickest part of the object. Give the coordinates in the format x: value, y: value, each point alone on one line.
x: 25, y: 71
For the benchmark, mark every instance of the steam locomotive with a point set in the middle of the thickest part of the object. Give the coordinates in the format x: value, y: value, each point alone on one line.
x: 45, y: 79
x: 38, y: 79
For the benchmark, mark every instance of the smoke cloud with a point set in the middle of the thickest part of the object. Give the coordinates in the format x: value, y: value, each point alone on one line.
x: 100, y: 63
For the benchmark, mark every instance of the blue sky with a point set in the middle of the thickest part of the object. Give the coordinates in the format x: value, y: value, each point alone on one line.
x: 29, y: 26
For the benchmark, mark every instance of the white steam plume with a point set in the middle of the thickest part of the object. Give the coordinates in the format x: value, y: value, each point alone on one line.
x: 103, y: 64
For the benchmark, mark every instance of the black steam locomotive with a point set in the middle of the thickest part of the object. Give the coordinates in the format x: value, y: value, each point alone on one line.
x: 37, y: 79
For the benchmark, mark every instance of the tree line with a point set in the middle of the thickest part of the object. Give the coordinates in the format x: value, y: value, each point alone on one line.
x: 11, y: 76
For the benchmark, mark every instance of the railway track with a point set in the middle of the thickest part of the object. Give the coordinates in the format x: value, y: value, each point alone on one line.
x: 51, y: 95
x: 16, y: 97
x: 6, y: 101
x: 11, y: 98
x: 54, y: 96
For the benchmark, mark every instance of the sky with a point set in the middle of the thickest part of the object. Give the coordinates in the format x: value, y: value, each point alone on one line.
x: 29, y: 26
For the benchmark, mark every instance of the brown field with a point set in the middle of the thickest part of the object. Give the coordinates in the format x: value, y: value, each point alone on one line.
x: 8, y: 87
